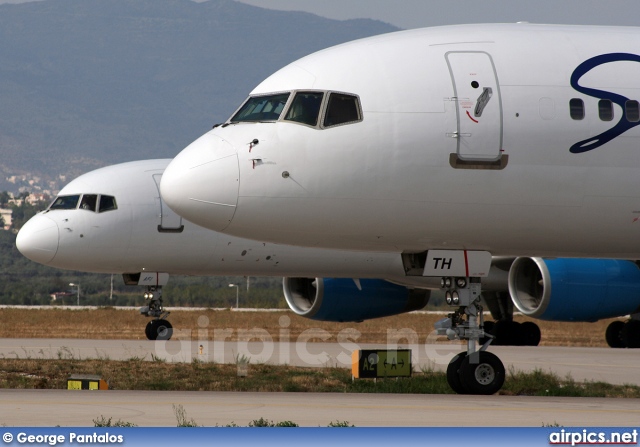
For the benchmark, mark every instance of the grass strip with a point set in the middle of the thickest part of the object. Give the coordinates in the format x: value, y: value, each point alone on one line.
x: 199, y: 376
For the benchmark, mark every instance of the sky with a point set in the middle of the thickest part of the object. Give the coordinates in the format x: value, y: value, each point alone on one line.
x: 420, y: 13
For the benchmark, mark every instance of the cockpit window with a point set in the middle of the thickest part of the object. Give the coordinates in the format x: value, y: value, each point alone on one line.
x: 107, y: 203
x: 65, y: 202
x: 262, y: 108
x: 89, y: 202
x: 305, y: 108
x: 342, y: 109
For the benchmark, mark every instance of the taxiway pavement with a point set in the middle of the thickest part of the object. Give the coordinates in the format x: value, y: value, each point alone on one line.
x: 148, y: 408
x: 616, y: 366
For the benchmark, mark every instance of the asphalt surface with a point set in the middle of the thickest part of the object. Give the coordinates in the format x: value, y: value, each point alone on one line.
x: 146, y: 408
x: 616, y: 366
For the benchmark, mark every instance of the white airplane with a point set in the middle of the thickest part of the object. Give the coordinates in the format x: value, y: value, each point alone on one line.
x: 130, y: 209
x: 113, y: 220
x: 451, y: 145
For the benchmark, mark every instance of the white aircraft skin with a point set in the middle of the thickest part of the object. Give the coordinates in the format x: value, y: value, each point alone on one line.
x: 465, y: 142
x: 127, y: 240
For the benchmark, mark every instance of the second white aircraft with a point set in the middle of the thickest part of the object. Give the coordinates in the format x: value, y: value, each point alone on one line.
x: 515, y: 139
x: 449, y: 145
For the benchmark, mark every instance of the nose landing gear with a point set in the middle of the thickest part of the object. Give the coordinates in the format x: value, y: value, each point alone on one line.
x: 474, y: 371
x: 158, y: 328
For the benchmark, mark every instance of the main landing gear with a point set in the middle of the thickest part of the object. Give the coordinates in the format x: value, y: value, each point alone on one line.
x: 621, y: 334
x: 506, y: 331
x: 474, y: 371
x: 158, y: 328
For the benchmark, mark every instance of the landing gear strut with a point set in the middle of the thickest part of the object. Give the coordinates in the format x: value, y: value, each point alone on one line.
x: 158, y: 328
x: 474, y: 371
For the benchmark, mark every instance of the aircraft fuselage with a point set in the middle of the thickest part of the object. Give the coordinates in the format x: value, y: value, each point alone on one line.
x: 516, y: 139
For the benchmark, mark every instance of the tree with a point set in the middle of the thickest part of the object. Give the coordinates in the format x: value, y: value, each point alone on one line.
x: 4, y: 199
x: 25, y: 211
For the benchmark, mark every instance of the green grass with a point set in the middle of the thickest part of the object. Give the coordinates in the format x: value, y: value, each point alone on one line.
x: 199, y: 376
x: 538, y: 383
x: 181, y: 417
x: 183, y: 421
x: 109, y: 422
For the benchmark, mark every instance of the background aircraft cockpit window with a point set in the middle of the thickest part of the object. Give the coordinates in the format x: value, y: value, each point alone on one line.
x: 305, y: 108
x: 342, y: 109
x: 89, y: 202
x: 261, y: 108
x: 107, y: 203
x: 65, y: 203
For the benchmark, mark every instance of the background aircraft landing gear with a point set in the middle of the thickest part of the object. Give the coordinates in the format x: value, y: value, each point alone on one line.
x: 473, y: 371
x: 508, y: 332
x: 158, y: 328
x: 622, y: 334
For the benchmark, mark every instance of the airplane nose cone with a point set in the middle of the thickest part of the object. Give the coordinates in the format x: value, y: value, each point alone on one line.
x: 38, y: 239
x: 201, y: 183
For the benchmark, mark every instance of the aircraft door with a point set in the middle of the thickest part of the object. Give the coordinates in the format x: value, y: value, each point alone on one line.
x: 169, y: 221
x: 478, y: 106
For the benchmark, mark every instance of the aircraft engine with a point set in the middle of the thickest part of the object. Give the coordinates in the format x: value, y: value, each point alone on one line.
x: 341, y: 300
x: 574, y: 289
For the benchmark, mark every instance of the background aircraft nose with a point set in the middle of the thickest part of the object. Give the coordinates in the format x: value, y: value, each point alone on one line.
x: 201, y: 183
x: 38, y: 239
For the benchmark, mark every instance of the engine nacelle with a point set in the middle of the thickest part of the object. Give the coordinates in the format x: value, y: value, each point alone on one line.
x: 565, y: 289
x: 342, y: 300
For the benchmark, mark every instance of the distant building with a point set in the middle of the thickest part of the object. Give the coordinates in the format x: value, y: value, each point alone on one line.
x: 6, y: 218
x: 59, y: 296
x: 34, y: 198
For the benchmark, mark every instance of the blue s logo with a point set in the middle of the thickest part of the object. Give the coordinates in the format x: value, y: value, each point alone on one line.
x: 624, y: 124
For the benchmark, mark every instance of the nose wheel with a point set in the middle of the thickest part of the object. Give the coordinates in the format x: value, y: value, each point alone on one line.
x: 159, y: 329
x: 484, y: 375
x: 472, y: 371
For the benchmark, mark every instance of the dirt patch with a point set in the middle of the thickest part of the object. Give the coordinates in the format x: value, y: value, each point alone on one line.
x: 111, y: 323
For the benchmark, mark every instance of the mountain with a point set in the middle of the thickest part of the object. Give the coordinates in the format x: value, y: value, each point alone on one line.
x: 86, y: 83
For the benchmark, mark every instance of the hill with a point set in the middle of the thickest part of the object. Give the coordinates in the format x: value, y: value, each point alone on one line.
x: 86, y: 83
